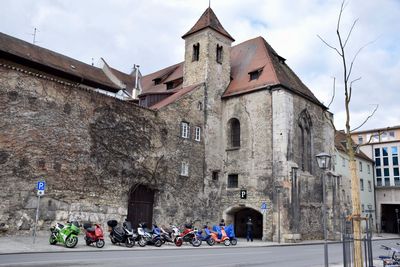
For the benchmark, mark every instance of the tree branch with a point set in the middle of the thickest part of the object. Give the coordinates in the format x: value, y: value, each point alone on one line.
x: 351, y: 86
x: 355, y: 56
x: 365, y: 121
x: 334, y: 90
x: 328, y: 45
x: 351, y: 29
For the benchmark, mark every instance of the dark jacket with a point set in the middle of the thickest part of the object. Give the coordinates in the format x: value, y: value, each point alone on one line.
x: 249, y: 226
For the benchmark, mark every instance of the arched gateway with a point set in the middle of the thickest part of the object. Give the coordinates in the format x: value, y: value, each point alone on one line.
x: 239, y: 217
x: 140, y: 205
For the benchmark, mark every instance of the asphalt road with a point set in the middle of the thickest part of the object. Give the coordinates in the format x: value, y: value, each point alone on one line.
x: 299, y: 256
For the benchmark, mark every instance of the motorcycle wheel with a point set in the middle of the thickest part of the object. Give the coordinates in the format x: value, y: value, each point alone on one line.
x: 142, y: 242
x: 129, y: 242
x: 210, y: 242
x: 71, y: 241
x: 158, y: 243
x: 234, y: 242
x: 178, y: 242
x: 227, y: 242
x: 52, y: 240
x: 100, y: 243
x: 196, y: 242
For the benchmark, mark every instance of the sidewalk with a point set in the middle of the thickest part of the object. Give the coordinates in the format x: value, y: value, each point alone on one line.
x: 24, y: 244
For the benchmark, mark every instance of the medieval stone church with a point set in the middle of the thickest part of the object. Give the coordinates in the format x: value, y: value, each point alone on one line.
x: 231, y: 132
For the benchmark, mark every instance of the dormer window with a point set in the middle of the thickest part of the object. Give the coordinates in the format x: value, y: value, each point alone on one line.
x: 170, y: 85
x: 254, y: 75
x: 196, y: 52
x: 157, y: 81
x: 219, y: 53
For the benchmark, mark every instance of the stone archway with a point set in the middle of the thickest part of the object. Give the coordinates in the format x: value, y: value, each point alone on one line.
x: 140, y: 205
x: 239, y: 216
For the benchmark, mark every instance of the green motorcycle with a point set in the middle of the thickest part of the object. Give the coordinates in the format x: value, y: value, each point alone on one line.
x: 65, y: 234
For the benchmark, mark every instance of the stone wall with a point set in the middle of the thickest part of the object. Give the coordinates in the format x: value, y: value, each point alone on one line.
x: 89, y: 148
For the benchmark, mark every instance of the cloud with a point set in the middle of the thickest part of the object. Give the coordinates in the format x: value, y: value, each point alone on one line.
x: 149, y: 33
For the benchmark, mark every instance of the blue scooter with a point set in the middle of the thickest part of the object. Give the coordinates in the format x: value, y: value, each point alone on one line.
x: 206, y: 236
x: 230, y: 232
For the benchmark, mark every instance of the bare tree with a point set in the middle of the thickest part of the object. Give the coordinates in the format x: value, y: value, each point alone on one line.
x: 348, y: 83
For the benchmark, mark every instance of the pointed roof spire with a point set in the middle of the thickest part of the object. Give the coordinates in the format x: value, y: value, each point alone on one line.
x: 208, y: 19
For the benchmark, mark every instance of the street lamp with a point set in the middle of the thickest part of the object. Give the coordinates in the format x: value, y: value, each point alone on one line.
x: 324, y: 160
x: 397, y: 217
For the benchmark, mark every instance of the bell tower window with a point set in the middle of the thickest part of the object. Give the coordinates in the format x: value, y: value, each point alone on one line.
x: 196, y: 52
x: 219, y: 53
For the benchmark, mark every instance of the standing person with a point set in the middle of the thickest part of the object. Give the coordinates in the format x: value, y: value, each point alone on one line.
x: 222, y: 222
x: 249, y: 230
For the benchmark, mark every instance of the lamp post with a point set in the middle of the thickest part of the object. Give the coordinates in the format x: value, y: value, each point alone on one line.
x: 324, y: 160
x: 397, y: 219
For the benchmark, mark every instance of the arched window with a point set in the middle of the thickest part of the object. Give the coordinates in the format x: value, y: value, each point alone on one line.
x: 305, y: 144
x: 234, y: 133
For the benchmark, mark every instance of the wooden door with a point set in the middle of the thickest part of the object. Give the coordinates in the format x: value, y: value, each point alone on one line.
x: 140, y: 206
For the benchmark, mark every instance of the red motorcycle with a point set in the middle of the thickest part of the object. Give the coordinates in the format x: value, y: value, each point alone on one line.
x: 188, y: 235
x: 94, y: 234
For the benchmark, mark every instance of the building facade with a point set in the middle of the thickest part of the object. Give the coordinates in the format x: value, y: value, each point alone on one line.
x: 383, y: 146
x: 227, y: 122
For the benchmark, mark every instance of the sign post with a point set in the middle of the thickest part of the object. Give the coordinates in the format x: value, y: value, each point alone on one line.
x: 263, y: 207
x: 41, y: 185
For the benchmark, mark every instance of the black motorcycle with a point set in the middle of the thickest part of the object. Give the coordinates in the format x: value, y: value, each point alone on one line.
x: 121, y: 234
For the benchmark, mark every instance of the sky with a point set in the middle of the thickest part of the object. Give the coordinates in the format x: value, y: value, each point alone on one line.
x: 148, y: 33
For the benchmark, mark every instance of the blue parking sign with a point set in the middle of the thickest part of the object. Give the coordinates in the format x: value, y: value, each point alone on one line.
x: 41, y: 185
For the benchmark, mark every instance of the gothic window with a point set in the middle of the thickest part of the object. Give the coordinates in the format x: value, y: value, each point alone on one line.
x: 234, y: 127
x: 219, y: 53
x: 196, y: 52
x: 305, y: 142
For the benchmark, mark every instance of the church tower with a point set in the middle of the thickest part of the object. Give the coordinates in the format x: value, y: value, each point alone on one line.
x: 207, y: 53
x: 207, y: 60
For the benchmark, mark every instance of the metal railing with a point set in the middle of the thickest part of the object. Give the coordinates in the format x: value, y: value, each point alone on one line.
x: 348, y: 242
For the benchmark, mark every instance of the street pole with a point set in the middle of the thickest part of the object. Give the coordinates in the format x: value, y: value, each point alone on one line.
x: 324, y: 218
x: 397, y: 219
x: 279, y: 216
x: 36, y: 220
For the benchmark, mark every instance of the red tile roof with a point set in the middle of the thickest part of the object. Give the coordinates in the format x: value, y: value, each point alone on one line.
x: 246, y: 57
x: 60, y: 65
x: 208, y: 20
x: 176, y: 96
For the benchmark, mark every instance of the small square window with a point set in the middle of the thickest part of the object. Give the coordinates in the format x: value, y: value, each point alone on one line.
x: 233, y: 181
x: 185, y: 129
x: 215, y: 175
x: 185, y: 169
x: 197, y: 135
